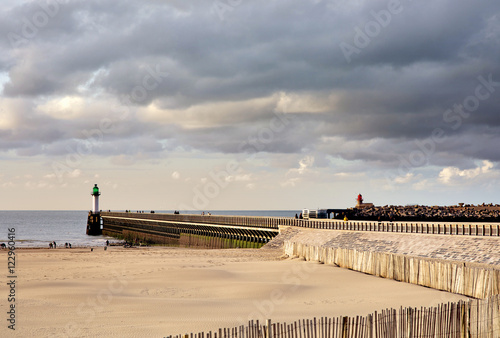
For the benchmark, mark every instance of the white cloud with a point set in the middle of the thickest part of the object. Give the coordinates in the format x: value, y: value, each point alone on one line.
x: 404, y: 179
x: 305, y: 165
x: 33, y: 185
x: 291, y: 182
x: 75, y: 173
x: 305, y: 102
x: 424, y: 185
x: 64, y: 108
x: 294, y: 175
x: 209, y: 114
x: 451, y: 175
x: 238, y: 178
x: 350, y: 176
x: 250, y: 186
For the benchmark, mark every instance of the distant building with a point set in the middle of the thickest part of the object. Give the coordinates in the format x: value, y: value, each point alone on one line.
x: 360, y: 204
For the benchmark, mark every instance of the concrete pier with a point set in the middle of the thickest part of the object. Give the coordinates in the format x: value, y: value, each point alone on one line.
x: 178, y: 229
x: 169, y: 228
x: 463, y: 265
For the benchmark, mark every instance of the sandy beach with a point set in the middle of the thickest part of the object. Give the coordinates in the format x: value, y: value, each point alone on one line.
x: 158, y: 291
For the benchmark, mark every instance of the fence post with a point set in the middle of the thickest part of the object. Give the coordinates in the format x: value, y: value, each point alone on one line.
x: 369, y: 323
x: 269, y: 328
x: 345, y: 327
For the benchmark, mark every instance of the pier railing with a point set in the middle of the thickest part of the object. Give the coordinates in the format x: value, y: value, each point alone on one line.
x: 437, y: 228
x: 246, y: 221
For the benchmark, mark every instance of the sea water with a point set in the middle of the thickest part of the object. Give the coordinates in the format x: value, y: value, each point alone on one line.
x: 37, y: 228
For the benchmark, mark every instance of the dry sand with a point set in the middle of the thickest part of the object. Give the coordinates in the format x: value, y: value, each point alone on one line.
x: 139, y: 292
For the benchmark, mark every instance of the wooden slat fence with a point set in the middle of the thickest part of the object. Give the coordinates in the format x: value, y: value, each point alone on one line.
x: 470, y: 279
x: 473, y: 318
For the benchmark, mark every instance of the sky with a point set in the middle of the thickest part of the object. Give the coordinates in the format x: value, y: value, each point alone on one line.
x: 238, y: 104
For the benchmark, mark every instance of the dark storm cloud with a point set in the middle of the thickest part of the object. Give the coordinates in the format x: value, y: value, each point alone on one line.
x: 427, y: 31
x: 422, y: 59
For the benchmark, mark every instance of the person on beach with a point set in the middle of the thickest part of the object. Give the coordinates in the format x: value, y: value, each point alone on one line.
x: 51, y: 245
